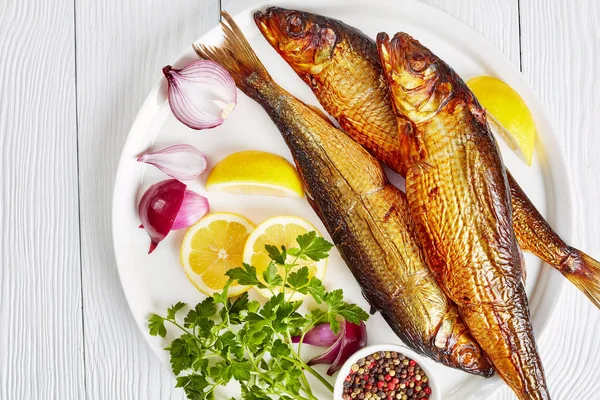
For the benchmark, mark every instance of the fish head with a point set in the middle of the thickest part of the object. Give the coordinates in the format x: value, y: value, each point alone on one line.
x: 457, y: 347
x: 419, y: 81
x: 306, y: 41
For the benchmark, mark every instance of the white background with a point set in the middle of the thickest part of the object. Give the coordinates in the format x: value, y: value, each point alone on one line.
x: 73, y: 75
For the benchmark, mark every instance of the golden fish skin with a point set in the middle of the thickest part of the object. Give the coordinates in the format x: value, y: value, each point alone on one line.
x: 342, y: 67
x: 459, y: 197
x: 367, y: 217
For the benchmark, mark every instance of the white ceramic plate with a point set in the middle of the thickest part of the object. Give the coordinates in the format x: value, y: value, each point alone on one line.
x: 153, y: 282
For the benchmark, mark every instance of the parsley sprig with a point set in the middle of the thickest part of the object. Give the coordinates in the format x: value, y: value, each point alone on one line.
x: 225, y: 339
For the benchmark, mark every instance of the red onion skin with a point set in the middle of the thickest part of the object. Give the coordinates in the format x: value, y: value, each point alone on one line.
x: 181, y: 161
x: 330, y: 355
x: 159, y: 207
x: 354, y: 339
x: 321, y: 335
x: 183, y: 108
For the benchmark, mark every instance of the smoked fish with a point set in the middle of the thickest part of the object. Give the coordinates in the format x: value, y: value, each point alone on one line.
x: 459, y: 198
x: 342, y: 67
x: 367, y: 217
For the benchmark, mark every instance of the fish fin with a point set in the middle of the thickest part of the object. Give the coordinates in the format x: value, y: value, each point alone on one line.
x: 411, y: 145
x: 585, y: 274
x: 236, y: 55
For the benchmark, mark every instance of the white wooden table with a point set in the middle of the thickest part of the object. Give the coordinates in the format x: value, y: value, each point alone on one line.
x: 72, y: 77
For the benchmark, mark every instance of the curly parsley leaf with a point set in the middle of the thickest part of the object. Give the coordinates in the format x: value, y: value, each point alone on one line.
x: 182, y: 354
x: 174, y: 309
x: 337, y: 306
x: 276, y: 255
x: 311, y: 246
x: 156, y: 325
x: 298, y: 279
x: 271, y: 276
x: 245, y: 276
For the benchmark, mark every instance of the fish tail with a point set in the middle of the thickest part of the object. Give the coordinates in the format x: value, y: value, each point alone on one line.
x: 236, y: 56
x: 584, y: 272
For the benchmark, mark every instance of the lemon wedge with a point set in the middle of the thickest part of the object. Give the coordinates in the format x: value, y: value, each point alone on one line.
x: 507, y: 114
x: 281, y: 231
x: 213, y: 246
x: 255, y: 172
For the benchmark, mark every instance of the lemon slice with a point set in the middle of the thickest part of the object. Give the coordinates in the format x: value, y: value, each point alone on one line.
x: 213, y: 246
x: 508, y: 114
x: 255, y: 172
x: 280, y: 231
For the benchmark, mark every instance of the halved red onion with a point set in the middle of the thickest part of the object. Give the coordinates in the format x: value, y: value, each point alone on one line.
x: 167, y: 205
x: 349, y: 340
x: 181, y: 161
x: 202, y: 94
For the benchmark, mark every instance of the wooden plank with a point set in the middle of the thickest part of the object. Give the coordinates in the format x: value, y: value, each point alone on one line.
x: 561, y: 50
x: 121, y: 47
x: 41, y: 343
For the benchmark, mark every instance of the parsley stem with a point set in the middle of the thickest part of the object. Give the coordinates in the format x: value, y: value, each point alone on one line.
x: 303, y: 365
x: 266, y: 378
x: 304, y: 332
x: 180, y: 327
x: 307, y: 387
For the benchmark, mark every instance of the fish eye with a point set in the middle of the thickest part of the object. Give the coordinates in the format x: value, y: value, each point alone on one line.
x: 296, y: 24
x: 418, y: 62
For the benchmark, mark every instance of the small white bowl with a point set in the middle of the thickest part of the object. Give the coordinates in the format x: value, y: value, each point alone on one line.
x: 338, y: 390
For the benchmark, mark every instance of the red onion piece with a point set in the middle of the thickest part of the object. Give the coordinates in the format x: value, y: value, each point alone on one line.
x: 192, y: 209
x: 159, y: 207
x: 354, y: 339
x: 321, y: 335
x: 182, y: 161
x: 350, y: 339
x: 329, y: 356
x: 202, y: 94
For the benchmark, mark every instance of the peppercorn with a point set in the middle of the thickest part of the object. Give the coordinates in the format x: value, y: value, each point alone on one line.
x: 387, y: 376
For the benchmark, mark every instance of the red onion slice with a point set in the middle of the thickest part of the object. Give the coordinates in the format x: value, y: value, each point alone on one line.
x: 182, y: 161
x: 202, y: 94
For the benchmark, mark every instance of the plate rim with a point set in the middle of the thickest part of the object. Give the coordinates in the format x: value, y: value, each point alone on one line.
x: 555, y: 172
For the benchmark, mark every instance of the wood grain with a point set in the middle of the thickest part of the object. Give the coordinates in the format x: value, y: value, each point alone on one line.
x: 561, y: 52
x: 41, y: 342
x: 497, y: 21
x: 121, y: 47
